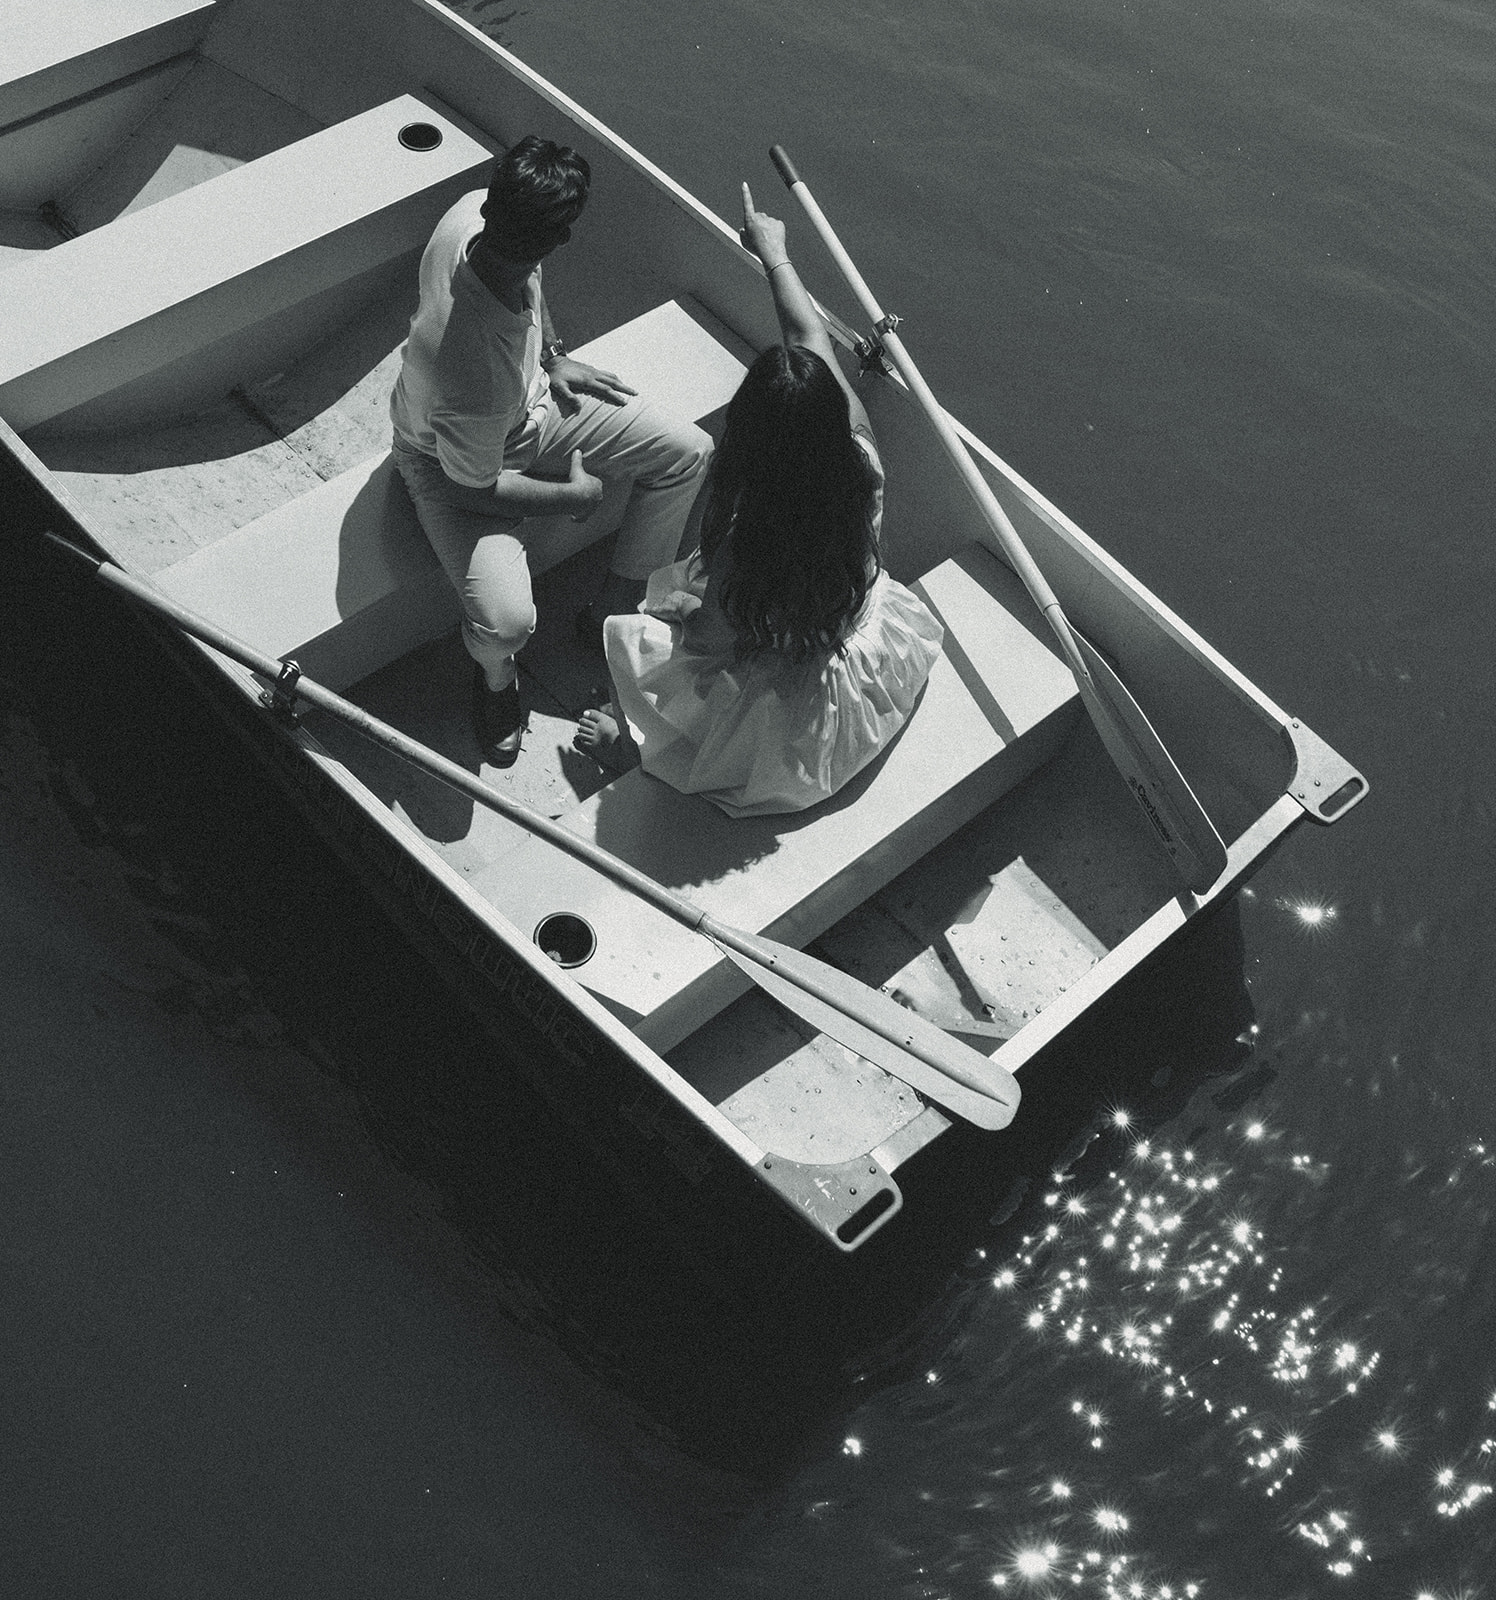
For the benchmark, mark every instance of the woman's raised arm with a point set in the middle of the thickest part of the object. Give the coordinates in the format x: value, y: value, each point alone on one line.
x: 799, y: 321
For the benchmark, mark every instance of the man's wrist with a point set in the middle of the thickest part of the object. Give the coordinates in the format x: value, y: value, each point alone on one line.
x: 551, y: 353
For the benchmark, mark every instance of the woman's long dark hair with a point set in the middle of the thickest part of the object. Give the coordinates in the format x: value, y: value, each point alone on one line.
x: 789, y: 522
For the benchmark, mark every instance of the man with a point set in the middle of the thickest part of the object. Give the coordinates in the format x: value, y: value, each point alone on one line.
x: 494, y: 424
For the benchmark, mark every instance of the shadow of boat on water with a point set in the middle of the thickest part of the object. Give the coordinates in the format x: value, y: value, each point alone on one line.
x: 743, y: 1357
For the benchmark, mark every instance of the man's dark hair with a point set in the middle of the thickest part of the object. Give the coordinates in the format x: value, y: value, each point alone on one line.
x: 539, y: 188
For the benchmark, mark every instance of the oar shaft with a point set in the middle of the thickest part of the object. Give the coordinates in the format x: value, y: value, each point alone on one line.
x: 411, y: 750
x: 763, y: 952
x: 1013, y: 547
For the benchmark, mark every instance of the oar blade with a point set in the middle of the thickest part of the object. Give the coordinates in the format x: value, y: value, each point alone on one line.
x: 1178, y: 820
x: 877, y: 1012
x: 979, y: 1109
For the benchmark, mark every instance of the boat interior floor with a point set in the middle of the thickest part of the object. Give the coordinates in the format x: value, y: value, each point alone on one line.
x: 980, y: 934
x: 426, y: 695
x: 163, y: 491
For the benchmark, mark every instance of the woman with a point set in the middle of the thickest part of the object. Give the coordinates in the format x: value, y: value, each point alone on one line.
x: 770, y: 667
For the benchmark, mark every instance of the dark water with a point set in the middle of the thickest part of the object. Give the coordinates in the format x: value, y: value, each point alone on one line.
x: 300, y: 1298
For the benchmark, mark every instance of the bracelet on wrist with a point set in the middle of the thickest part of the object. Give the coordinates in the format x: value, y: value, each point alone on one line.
x: 778, y: 264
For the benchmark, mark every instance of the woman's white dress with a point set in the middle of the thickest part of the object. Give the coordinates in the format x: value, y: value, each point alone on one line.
x: 764, y: 734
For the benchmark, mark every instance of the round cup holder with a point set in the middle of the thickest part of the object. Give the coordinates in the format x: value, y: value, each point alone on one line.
x: 420, y: 136
x: 566, y: 938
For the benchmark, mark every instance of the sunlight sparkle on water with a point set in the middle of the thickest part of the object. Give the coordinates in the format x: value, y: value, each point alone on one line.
x: 1157, y: 1256
x: 1473, y: 1495
x: 1035, y: 1563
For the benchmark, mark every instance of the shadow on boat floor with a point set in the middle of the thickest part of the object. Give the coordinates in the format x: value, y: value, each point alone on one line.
x: 426, y: 695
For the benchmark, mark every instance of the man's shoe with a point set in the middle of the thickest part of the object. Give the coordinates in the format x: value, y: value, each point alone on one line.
x: 498, y: 721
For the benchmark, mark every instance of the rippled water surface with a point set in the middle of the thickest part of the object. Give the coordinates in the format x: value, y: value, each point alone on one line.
x: 298, y: 1298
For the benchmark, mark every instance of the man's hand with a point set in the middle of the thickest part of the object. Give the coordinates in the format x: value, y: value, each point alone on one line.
x: 572, y: 379
x: 587, y: 490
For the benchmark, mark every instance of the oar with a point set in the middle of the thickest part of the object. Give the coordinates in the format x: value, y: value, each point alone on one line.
x: 1175, y: 815
x: 870, y: 1023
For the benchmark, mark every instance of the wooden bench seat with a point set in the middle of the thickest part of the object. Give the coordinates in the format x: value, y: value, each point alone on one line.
x: 998, y: 703
x: 215, y: 285
x: 342, y: 577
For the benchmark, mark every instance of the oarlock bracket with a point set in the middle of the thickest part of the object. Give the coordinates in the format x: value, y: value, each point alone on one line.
x: 280, y: 698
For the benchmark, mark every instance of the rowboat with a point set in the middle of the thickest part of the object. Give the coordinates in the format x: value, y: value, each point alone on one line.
x: 211, y: 216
